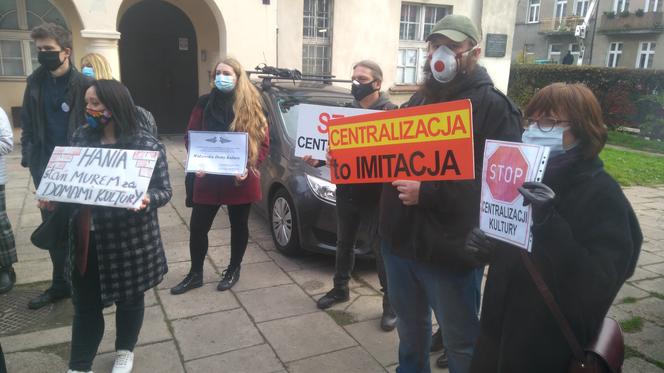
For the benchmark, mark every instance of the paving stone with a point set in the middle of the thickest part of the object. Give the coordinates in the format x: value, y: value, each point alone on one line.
x: 154, y: 329
x: 221, y: 255
x: 174, y: 235
x: 635, y: 364
x: 33, y: 271
x: 618, y: 313
x: 296, y: 263
x: 650, y: 309
x: 35, y: 362
x: 205, y: 299
x: 29, y: 341
x: 178, y: 271
x: 648, y: 341
x: 365, y: 290
x: 318, y: 280
x: 261, y: 275
x: 30, y: 220
x: 302, y: 336
x: 646, y: 258
x: 217, y: 237
x: 257, y: 359
x: 177, y: 252
x: 158, y: 357
x: 211, y: 334
x: 642, y: 274
x: 432, y: 364
x: 656, y: 268
x: 352, y: 360
x: 629, y: 291
x: 656, y: 285
x: 366, y: 307
x: 276, y: 302
x: 383, y: 346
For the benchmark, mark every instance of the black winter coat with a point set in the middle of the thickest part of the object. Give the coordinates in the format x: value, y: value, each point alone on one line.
x: 34, y: 149
x: 584, y: 252
x: 434, y: 231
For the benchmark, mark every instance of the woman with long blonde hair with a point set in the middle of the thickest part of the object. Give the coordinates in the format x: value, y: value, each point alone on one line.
x: 95, y: 66
x: 233, y: 105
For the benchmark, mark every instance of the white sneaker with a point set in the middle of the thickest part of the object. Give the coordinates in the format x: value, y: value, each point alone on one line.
x: 124, y: 361
x: 79, y: 371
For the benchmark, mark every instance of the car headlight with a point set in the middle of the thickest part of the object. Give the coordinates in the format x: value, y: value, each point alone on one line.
x: 322, y: 189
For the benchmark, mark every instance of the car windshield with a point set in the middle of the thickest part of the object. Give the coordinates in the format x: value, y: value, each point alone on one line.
x: 289, y: 108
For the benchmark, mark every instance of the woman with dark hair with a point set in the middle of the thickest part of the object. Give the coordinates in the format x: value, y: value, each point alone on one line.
x: 586, y: 242
x: 233, y: 105
x: 116, y: 254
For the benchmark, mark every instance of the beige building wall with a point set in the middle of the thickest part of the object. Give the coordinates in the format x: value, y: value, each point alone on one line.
x: 256, y: 33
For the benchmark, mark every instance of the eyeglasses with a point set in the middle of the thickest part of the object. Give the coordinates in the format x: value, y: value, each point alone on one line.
x: 544, y: 124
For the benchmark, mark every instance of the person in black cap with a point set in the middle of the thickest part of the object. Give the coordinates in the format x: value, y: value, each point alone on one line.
x: 53, y: 107
x: 423, y: 225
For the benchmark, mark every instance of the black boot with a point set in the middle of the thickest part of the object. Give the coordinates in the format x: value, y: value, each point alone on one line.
x: 193, y: 280
x: 334, y: 296
x: 389, y: 319
x: 228, y: 278
x: 7, y: 279
x: 47, y: 297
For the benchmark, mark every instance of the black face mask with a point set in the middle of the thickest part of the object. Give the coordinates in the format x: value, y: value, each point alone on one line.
x: 360, y: 91
x: 50, y: 59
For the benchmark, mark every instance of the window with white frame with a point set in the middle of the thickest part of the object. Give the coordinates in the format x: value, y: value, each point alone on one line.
x: 653, y: 6
x: 18, y: 55
x: 416, y: 23
x: 575, y: 49
x: 581, y: 7
x: 646, y: 55
x: 615, y: 52
x: 316, y: 43
x: 533, y: 11
x: 559, y: 13
x: 554, y: 52
x: 620, y: 5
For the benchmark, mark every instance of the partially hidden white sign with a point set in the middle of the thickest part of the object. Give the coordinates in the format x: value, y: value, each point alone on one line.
x: 97, y: 176
x: 506, y: 167
x: 312, y: 121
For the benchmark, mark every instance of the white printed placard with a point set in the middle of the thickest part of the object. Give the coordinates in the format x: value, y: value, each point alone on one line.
x: 312, y: 121
x: 97, y: 176
x: 506, y: 166
x: 218, y: 153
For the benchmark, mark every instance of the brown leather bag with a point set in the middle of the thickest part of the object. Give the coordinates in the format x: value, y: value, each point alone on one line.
x: 604, y: 355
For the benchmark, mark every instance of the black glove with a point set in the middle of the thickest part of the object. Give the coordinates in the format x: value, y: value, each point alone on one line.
x: 478, y: 248
x: 541, y: 197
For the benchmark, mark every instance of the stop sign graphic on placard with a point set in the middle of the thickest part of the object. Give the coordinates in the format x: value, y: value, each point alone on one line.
x: 506, y: 171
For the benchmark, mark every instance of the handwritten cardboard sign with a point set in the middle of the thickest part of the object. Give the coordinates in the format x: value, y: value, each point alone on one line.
x: 431, y: 142
x: 97, y: 176
x: 507, y: 165
x: 312, y: 122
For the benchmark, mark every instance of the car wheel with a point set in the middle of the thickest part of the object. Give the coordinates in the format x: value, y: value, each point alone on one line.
x: 284, y: 224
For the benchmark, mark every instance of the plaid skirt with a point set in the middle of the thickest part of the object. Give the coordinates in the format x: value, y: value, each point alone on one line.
x: 7, y: 244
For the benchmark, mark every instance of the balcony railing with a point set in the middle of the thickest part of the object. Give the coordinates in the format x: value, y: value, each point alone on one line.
x: 649, y: 22
x: 560, y: 26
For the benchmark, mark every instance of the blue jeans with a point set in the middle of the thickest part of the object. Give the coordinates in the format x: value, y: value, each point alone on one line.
x: 415, y: 289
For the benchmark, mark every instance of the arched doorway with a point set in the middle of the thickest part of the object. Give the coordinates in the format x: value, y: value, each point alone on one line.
x: 158, y: 62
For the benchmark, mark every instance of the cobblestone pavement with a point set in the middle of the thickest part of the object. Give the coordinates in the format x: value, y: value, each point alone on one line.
x: 269, y: 321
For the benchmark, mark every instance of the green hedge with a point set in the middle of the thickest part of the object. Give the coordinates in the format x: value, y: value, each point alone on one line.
x: 627, y: 96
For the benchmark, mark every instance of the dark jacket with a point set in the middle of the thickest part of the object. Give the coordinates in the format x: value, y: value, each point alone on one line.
x: 220, y: 189
x: 366, y: 194
x: 584, y: 252
x: 435, y: 229
x: 129, y: 248
x: 34, y: 148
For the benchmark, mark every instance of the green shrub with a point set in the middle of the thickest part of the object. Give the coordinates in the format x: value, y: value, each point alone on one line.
x: 621, y: 92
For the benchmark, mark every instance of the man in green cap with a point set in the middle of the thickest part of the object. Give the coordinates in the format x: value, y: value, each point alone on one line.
x: 424, y: 225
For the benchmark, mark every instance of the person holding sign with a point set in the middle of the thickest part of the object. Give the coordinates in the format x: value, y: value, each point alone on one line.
x: 116, y: 254
x: 53, y: 107
x: 586, y: 243
x: 423, y: 225
x: 359, y: 202
x: 7, y: 244
x: 233, y: 105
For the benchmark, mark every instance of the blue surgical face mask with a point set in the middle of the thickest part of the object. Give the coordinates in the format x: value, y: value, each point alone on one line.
x: 552, y: 139
x: 88, y: 71
x: 224, y: 83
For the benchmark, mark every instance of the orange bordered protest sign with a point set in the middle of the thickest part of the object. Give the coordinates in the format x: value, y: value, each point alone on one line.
x: 431, y: 142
